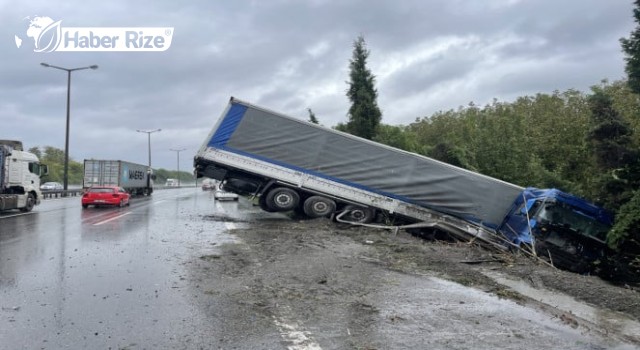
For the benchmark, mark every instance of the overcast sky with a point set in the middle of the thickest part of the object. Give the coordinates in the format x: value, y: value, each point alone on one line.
x: 286, y: 55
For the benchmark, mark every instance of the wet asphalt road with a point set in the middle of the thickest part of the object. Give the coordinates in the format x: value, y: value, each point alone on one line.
x: 103, y: 278
x: 117, y: 278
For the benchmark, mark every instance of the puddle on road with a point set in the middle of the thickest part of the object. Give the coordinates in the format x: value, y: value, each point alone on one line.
x: 605, y: 319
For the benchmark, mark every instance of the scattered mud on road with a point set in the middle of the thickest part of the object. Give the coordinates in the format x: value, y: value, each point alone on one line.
x: 322, y: 285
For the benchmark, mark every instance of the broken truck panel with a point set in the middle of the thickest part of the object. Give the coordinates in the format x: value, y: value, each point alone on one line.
x: 292, y: 164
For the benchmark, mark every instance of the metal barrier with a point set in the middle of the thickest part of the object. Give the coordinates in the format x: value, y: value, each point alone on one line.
x: 61, y: 194
x: 78, y: 192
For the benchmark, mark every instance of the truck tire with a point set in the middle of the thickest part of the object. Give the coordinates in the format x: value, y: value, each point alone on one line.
x: 262, y: 202
x: 282, y: 199
x: 361, y: 215
x: 318, y: 206
x: 31, y: 202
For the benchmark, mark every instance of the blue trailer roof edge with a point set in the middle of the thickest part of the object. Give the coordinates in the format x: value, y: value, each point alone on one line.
x: 228, y: 126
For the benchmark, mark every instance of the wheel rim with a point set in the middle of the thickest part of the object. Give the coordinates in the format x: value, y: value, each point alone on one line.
x: 283, y: 199
x: 320, y: 207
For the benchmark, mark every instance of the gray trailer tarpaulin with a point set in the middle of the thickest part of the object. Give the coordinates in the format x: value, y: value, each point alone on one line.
x: 259, y: 133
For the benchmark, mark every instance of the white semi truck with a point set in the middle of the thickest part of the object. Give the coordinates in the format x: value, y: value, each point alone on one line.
x: 20, y: 174
x: 290, y: 164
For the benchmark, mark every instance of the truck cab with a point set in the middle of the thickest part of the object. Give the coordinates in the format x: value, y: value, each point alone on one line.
x: 20, y: 174
x: 559, y: 226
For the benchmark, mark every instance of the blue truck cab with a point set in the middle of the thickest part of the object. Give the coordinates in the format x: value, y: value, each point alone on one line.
x: 559, y: 226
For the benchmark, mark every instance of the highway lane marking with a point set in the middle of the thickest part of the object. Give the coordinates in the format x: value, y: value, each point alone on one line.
x: 228, y: 225
x: 290, y: 331
x: 111, y: 219
x: 293, y: 333
x: 14, y: 215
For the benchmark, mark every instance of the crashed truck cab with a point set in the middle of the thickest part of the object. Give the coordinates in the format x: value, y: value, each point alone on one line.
x: 558, y: 226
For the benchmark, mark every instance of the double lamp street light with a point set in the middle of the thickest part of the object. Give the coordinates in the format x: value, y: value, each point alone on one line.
x: 66, y: 140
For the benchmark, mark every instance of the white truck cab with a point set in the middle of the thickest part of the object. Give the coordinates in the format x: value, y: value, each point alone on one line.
x: 20, y: 173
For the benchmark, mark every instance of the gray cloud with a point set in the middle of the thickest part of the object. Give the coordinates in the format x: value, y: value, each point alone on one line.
x: 290, y: 56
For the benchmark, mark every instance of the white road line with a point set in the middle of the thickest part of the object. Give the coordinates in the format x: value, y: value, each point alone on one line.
x: 14, y: 215
x: 289, y: 331
x: 160, y: 201
x: 292, y: 333
x: 111, y: 219
x: 228, y: 225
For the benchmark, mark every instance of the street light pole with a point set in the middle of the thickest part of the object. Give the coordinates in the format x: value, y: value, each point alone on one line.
x: 149, y: 132
x: 66, y: 138
x: 178, y: 152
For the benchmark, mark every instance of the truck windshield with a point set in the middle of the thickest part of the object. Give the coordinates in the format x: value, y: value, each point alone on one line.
x: 567, y: 216
x: 34, y: 168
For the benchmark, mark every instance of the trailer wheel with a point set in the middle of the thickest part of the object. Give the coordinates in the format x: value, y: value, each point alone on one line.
x: 282, y: 199
x: 262, y: 202
x: 31, y: 202
x: 318, y: 206
x: 361, y: 215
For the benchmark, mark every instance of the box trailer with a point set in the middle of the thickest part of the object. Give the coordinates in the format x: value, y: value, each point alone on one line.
x: 291, y: 164
x: 136, y: 179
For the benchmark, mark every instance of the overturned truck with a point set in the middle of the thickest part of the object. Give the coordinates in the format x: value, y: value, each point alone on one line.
x: 289, y: 164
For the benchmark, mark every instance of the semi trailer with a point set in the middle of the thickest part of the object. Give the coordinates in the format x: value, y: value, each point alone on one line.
x: 290, y: 164
x: 136, y: 179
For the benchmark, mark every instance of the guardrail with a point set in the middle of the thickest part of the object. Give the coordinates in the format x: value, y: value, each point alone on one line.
x: 61, y: 193
x: 78, y: 192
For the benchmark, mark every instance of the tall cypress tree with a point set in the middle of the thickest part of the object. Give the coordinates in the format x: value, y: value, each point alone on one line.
x: 625, y: 235
x: 631, y: 47
x: 364, y: 114
x: 610, y: 138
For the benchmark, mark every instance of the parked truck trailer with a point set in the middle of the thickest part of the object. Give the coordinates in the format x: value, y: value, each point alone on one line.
x: 290, y: 164
x: 136, y: 179
x: 20, y: 174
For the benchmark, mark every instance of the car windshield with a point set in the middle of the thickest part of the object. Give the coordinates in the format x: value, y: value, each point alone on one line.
x: 101, y: 190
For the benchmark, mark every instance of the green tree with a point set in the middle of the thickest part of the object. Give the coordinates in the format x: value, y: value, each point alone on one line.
x: 613, y: 155
x: 396, y: 136
x: 312, y: 117
x: 364, y: 114
x: 36, y: 151
x: 627, y: 227
x: 631, y: 47
x: 54, y: 159
x: 445, y: 152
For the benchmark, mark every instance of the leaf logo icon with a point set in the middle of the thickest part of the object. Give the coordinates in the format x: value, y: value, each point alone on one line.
x: 49, y: 38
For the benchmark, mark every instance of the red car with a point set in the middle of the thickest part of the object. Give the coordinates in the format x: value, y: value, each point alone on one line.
x: 105, y: 195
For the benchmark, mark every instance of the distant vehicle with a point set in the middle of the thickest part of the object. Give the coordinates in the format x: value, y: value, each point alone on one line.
x: 105, y: 195
x: 208, y: 185
x: 222, y: 195
x: 171, y: 183
x: 134, y: 178
x: 51, y: 186
x: 20, y: 174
